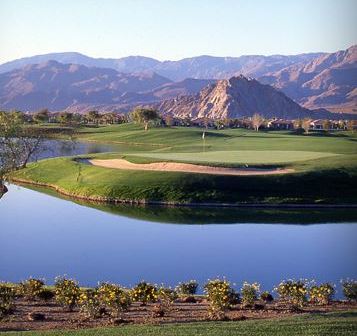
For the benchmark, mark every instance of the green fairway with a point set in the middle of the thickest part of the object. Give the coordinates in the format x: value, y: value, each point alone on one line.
x: 240, y: 157
x: 331, y: 324
x: 323, y: 166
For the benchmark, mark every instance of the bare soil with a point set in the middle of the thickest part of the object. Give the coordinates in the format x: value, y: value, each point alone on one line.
x: 186, y: 167
x: 56, y: 317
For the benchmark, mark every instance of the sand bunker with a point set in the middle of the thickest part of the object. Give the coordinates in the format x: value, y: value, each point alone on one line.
x: 185, y: 167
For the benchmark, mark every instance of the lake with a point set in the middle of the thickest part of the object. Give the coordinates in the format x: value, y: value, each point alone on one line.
x: 45, y: 235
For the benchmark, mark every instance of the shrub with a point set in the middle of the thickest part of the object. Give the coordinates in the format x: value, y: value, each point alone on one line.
x: 166, y: 297
x: 220, y: 296
x: 46, y: 295
x: 89, y: 303
x: 250, y: 293
x: 321, y: 294
x: 293, y: 291
x: 31, y: 288
x: 266, y: 297
x: 7, y: 295
x: 67, y: 292
x: 114, y: 297
x: 144, y: 292
x: 187, y: 288
x: 349, y: 288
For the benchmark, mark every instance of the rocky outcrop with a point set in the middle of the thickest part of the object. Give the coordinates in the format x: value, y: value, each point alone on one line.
x: 234, y: 98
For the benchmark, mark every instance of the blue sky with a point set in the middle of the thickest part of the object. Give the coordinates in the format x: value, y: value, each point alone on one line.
x: 174, y: 29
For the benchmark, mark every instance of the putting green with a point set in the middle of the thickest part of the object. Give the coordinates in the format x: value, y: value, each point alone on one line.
x: 243, y: 157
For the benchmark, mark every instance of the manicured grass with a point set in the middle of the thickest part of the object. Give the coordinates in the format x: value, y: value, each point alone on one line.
x: 240, y: 157
x: 325, y: 167
x: 337, y: 323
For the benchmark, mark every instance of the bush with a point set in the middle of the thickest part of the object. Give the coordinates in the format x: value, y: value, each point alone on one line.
x: 349, y: 288
x: 31, y: 288
x: 46, y: 295
x: 293, y: 291
x: 145, y: 293
x: 266, y: 297
x: 250, y: 293
x: 89, y: 303
x: 220, y: 296
x: 7, y: 295
x: 67, y: 292
x: 321, y: 294
x: 114, y: 297
x: 187, y: 288
x: 166, y: 298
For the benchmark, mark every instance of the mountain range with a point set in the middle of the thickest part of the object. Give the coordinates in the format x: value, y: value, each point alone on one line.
x: 77, y: 82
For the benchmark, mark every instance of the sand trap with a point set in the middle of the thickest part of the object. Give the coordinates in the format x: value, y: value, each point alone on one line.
x: 185, y: 167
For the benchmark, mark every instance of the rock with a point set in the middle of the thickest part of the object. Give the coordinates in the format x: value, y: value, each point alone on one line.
x: 119, y: 321
x: 36, y: 316
x: 189, y: 299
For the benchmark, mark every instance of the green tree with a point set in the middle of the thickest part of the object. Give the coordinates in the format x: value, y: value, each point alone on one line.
x: 65, y: 118
x: 93, y: 117
x: 41, y: 116
x: 144, y: 116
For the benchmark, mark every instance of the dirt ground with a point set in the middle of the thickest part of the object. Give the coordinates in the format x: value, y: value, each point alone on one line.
x: 186, y: 167
x: 56, y: 317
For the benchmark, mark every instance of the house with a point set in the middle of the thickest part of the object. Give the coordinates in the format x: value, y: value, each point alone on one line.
x: 280, y: 124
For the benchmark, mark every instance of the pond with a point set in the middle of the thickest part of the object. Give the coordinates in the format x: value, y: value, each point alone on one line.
x: 45, y: 235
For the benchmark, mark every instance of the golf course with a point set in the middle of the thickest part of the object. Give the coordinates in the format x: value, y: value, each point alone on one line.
x: 178, y: 165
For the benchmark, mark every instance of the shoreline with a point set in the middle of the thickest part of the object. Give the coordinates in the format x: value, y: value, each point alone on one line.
x: 108, y: 200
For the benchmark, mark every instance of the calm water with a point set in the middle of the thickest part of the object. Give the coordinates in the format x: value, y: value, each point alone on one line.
x: 43, y: 235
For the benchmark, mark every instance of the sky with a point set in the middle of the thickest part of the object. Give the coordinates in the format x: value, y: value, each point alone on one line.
x: 175, y: 29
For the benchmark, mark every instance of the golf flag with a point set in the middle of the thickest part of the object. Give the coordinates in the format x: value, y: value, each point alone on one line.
x: 203, y: 135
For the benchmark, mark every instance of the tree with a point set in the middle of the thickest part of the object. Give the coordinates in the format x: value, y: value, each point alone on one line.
x: 351, y: 125
x: 17, y: 142
x: 305, y: 124
x: 257, y: 121
x: 65, y: 118
x: 169, y: 120
x: 326, y: 124
x: 92, y: 116
x: 41, y: 116
x: 144, y: 116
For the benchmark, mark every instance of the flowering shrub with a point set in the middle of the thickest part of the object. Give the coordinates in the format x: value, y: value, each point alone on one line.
x: 31, y: 288
x: 67, y: 292
x: 166, y: 298
x: 89, y: 303
x: 46, y: 294
x: 266, y: 297
x: 114, y: 297
x: 220, y: 297
x: 349, y: 288
x: 321, y: 294
x: 187, y: 288
x: 249, y: 293
x: 7, y: 295
x: 144, y: 292
x: 293, y: 291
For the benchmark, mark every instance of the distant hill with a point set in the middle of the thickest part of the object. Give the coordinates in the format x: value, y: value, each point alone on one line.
x: 314, y: 80
x: 328, y: 81
x: 76, y: 87
x: 200, y: 67
x: 234, y: 98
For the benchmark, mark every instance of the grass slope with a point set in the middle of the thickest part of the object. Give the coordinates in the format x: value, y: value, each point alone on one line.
x: 325, y: 167
x: 342, y: 323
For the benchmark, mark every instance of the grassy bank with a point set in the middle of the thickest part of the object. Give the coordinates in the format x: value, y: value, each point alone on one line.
x: 337, y: 323
x: 325, y: 167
